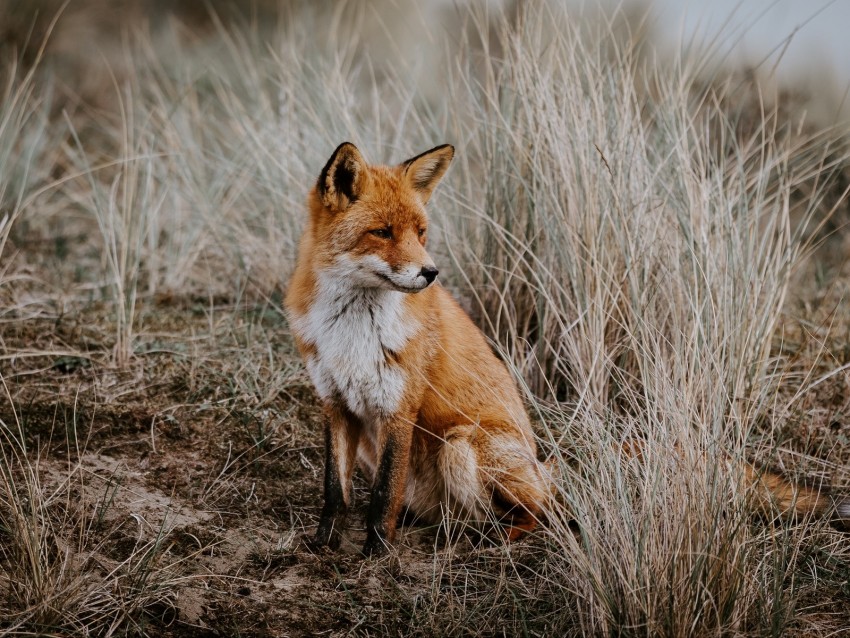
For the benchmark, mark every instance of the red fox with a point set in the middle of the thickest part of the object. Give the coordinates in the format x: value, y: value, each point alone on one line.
x: 411, y: 388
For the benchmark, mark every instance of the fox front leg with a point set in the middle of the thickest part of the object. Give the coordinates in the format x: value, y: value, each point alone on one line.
x: 388, y: 489
x: 341, y: 437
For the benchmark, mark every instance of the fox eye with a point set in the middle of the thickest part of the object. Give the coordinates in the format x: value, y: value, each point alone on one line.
x: 422, y: 232
x: 383, y: 233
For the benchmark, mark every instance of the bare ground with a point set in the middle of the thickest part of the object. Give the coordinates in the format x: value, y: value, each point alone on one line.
x: 167, y: 454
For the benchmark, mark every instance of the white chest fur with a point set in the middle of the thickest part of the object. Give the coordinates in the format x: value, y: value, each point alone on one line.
x: 356, y: 333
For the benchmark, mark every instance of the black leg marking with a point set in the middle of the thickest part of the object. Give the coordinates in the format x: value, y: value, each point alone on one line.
x: 334, y: 512
x: 386, y: 478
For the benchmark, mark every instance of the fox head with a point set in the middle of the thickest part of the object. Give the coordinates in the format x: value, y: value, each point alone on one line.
x: 369, y: 222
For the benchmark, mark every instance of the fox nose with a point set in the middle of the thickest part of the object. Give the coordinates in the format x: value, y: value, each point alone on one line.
x: 429, y: 272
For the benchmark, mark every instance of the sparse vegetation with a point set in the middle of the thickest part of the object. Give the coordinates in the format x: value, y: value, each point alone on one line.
x: 656, y: 254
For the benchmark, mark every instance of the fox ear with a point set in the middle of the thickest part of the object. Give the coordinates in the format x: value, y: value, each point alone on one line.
x: 425, y: 171
x: 343, y: 179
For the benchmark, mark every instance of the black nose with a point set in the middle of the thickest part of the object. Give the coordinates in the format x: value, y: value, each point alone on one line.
x: 429, y: 272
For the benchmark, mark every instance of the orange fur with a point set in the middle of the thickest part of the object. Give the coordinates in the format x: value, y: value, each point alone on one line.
x: 771, y: 492
x: 459, y: 429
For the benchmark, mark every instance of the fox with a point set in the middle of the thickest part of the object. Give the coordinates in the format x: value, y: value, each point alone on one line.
x: 411, y: 389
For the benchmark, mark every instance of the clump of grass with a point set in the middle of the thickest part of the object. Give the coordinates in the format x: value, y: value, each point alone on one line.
x: 23, y: 137
x: 126, y: 196
x: 635, y: 277
x: 56, y: 575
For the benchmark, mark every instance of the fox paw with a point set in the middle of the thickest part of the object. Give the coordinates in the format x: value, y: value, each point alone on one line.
x: 325, y: 538
x: 375, y: 546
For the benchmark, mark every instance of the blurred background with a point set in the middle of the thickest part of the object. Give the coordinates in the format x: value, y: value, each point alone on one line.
x: 799, y: 45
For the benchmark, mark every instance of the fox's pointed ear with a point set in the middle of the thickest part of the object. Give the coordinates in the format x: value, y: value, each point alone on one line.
x: 343, y: 179
x: 425, y: 171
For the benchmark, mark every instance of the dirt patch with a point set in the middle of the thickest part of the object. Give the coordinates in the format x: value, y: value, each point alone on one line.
x: 224, y: 487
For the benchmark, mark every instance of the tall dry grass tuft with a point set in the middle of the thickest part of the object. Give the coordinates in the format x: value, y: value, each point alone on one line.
x: 126, y: 196
x: 629, y: 248
x: 58, y: 573
x: 23, y: 142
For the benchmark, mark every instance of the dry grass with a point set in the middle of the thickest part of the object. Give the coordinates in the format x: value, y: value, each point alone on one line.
x: 639, y: 246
